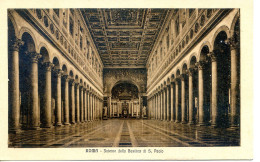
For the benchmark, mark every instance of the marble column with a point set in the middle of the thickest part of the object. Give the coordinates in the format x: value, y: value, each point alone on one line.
x: 161, y: 108
x: 168, y: 103
x: 234, y: 105
x: 34, y: 118
x: 201, y: 94
x: 86, y: 105
x: 14, y: 96
x: 72, y: 96
x: 132, y: 104
x: 158, y: 106
x: 154, y: 108
x: 183, y: 104
x: 81, y: 104
x: 66, y: 95
x: 91, y: 103
x: 191, y: 99
x: 46, y: 115
x: 139, y: 107
x: 176, y: 101
x: 77, y: 103
x: 98, y: 109
x: 214, y: 98
x: 58, y: 97
x: 110, y: 108
x: 93, y: 106
x: 172, y: 99
x: 165, y: 105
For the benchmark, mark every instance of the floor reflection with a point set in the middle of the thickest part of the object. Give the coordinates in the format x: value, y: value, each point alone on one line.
x: 126, y: 133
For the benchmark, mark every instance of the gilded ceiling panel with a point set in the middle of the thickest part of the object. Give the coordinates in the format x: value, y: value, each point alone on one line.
x: 124, y: 37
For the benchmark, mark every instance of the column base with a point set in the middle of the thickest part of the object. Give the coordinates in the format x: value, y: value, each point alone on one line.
x: 234, y: 127
x: 214, y: 125
x: 191, y: 123
x: 34, y: 128
x: 203, y: 124
x: 177, y: 121
x: 14, y: 130
x: 47, y: 126
x: 58, y: 125
x: 67, y: 124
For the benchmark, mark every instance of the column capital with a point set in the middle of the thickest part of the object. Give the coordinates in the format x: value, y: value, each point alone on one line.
x: 190, y: 72
x: 34, y: 56
x: 58, y: 72
x: 232, y: 43
x: 72, y: 81
x: 81, y: 85
x: 213, y: 56
x: 16, y: 44
x: 48, y: 66
x: 182, y: 76
x: 66, y: 77
x: 176, y: 80
x: 200, y: 65
x: 77, y: 84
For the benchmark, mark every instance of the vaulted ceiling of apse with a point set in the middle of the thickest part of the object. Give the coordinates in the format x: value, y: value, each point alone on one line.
x: 124, y: 37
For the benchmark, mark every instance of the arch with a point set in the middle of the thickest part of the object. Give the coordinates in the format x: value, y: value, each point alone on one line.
x: 76, y: 78
x: 161, y: 86
x: 81, y: 81
x: 220, y: 29
x: 124, y: 81
x: 233, y: 24
x: 192, y: 56
x: 29, y: 43
x: 220, y: 40
x: 71, y: 74
x: 11, y: 32
x: 45, y: 53
x: 56, y: 63
x: 26, y: 30
x: 184, y: 68
x: 178, y: 72
x: 203, y: 53
x: 14, y: 24
x: 168, y: 81
x: 210, y: 48
x: 193, y: 61
x: 172, y: 77
x: 122, y: 89
x: 64, y: 69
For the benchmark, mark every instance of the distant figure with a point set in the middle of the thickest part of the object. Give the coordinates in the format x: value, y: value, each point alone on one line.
x: 105, y: 113
x: 144, y: 111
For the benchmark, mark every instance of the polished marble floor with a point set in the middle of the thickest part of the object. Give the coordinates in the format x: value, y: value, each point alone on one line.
x: 126, y: 133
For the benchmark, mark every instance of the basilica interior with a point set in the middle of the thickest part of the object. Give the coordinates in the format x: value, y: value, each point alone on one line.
x: 123, y: 77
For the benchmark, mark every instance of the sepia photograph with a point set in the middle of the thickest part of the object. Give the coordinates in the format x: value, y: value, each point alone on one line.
x: 126, y: 80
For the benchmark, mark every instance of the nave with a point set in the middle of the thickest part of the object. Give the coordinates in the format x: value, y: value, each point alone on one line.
x: 126, y: 133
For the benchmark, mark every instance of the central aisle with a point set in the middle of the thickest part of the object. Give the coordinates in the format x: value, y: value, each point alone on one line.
x: 126, y: 133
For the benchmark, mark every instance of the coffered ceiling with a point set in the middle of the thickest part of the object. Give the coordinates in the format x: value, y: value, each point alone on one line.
x: 124, y: 37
